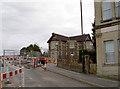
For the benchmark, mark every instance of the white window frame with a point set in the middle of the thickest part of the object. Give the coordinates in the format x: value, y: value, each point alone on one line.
x: 54, y: 45
x: 107, y: 61
x: 72, y: 45
x: 117, y: 8
x: 106, y: 12
x: 118, y: 51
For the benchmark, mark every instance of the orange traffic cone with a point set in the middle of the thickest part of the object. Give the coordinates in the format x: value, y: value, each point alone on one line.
x: 45, y: 68
x: 55, y: 63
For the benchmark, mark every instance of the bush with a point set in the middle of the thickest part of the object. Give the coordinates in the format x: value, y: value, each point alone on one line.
x: 90, y: 52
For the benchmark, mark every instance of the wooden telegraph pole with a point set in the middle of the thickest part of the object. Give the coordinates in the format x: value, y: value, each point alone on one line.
x: 83, y: 63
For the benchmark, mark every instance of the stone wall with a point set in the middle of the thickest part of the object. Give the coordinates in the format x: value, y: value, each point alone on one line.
x: 77, y: 67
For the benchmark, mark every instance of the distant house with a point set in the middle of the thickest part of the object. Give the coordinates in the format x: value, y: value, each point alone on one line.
x: 63, y: 47
x: 107, y: 26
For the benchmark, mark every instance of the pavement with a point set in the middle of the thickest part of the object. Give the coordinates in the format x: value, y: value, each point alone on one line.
x: 85, y: 78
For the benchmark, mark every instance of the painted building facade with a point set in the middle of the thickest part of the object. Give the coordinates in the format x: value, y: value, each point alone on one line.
x: 107, y: 26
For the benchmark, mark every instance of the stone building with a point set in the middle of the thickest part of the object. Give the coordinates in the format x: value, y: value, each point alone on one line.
x: 63, y: 47
x: 107, y: 26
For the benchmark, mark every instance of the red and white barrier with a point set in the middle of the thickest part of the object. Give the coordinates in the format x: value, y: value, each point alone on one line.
x: 10, y: 58
x: 11, y: 73
x: 10, y: 61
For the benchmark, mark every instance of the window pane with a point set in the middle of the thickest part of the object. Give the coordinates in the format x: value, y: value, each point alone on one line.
x: 109, y: 51
x: 106, y: 10
x: 54, y: 45
x: 110, y: 57
x: 107, y: 14
x: 117, y: 5
x: 72, y: 45
x: 119, y: 51
x: 106, y: 5
x: 109, y: 46
x: 119, y: 45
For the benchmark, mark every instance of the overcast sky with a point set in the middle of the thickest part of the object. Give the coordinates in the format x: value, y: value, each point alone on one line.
x: 25, y: 22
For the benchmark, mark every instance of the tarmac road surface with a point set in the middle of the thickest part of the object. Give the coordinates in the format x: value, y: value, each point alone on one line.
x: 40, y: 78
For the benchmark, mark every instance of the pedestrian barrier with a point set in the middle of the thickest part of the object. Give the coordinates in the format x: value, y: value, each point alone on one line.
x: 38, y: 62
x: 11, y: 73
x: 16, y: 69
x: 51, y: 60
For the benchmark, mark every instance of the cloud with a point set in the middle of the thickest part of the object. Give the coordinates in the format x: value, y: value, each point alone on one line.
x: 25, y: 22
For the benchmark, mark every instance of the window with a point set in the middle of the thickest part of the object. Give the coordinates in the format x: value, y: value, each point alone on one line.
x: 106, y: 10
x: 72, y: 45
x: 54, y: 55
x: 89, y: 45
x: 109, y: 52
x: 117, y: 6
x: 78, y: 52
x: 119, y: 51
x: 119, y: 45
x: 54, y: 45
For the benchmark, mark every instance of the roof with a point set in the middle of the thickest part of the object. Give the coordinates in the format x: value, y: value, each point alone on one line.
x: 58, y: 37
x: 80, y: 38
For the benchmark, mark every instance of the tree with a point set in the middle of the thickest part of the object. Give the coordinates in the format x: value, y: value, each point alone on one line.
x: 23, y: 51
x: 94, y: 39
x: 93, y: 35
x: 32, y: 50
x: 45, y: 54
x: 90, y: 52
x: 36, y: 48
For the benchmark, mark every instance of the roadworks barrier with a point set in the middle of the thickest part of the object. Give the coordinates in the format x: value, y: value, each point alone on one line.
x: 10, y: 73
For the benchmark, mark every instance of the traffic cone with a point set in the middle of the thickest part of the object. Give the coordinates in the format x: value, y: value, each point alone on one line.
x: 40, y: 64
x: 45, y: 68
x: 55, y: 63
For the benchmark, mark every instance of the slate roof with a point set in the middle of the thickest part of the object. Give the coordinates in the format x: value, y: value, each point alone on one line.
x: 58, y: 37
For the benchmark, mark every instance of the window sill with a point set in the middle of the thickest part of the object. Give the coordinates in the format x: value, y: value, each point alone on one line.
x: 72, y: 48
x: 117, y: 17
x: 110, y: 64
x: 102, y: 21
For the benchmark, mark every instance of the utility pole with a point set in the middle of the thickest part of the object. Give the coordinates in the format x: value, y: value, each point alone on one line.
x: 83, y: 63
x: 81, y: 17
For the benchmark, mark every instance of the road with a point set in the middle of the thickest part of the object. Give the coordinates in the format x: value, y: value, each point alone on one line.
x: 40, y: 78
